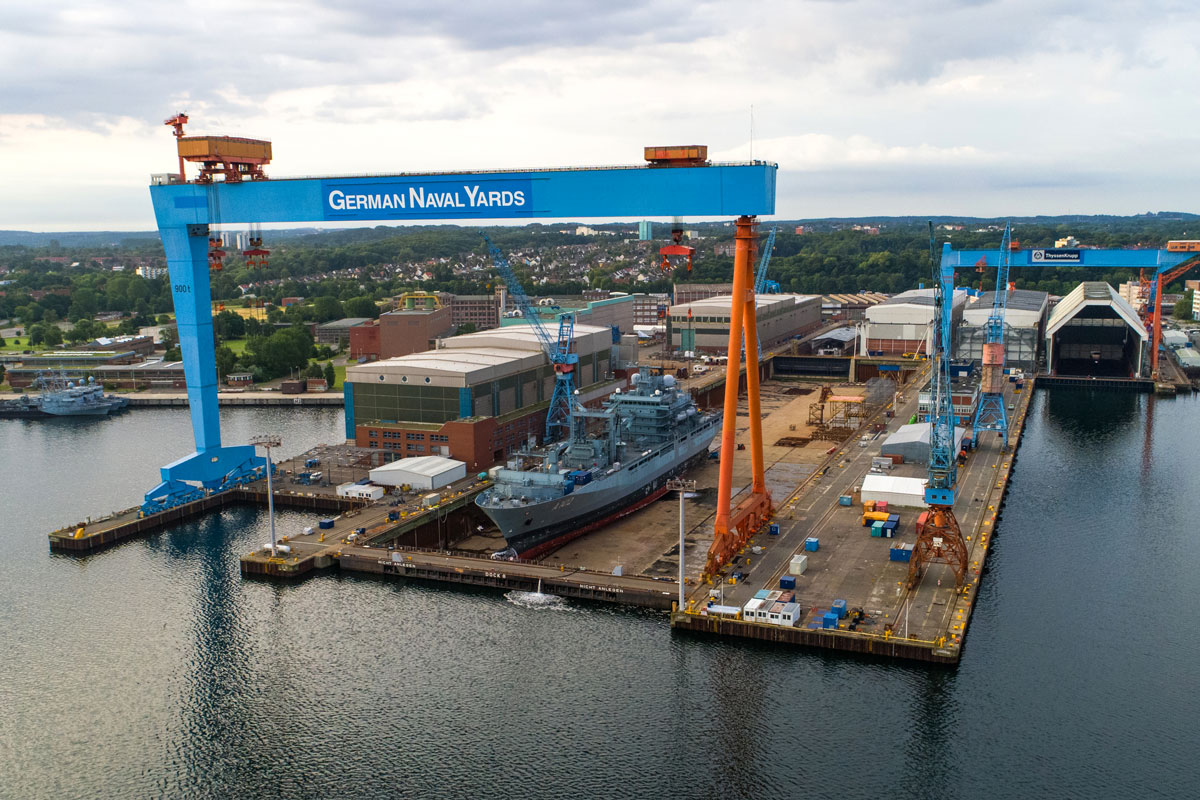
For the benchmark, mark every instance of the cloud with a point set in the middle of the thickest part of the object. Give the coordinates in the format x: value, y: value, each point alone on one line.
x: 1017, y: 96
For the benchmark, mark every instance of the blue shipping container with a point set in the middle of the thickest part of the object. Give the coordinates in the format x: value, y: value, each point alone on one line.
x: 812, y: 544
x: 902, y: 552
x: 787, y: 582
x: 877, y: 528
x: 845, y: 500
x: 325, y: 524
x: 830, y: 620
x: 839, y: 608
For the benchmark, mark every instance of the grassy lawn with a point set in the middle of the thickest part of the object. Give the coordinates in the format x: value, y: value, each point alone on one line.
x: 339, y: 375
x: 238, y: 346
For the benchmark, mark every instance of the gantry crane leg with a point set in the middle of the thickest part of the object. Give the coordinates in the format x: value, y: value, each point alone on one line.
x: 734, y: 526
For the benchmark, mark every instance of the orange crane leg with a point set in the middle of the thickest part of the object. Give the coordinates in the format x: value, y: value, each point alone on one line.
x: 734, y: 526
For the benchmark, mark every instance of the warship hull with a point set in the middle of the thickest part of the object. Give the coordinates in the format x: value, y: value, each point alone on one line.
x: 536, y: 529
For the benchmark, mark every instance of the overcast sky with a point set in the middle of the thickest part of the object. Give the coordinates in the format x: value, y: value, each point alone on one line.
x: 869, y: 106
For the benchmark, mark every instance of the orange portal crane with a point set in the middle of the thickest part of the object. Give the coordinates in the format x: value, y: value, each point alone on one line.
x: 734, y: 526
x: 1160, y: 284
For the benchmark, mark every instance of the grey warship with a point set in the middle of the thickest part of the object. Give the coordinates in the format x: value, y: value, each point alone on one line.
x: 616, y: 460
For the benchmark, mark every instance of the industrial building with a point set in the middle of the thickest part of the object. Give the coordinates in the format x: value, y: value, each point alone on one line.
x: 911, y: 443
x: 141, y: 345
x: 397, y: 333
x: 477, y: 398
x: 1024, y: 327
x: 838, y: 342
x: 692, y: 292
x: 480, y: 310
x: 902, y: 324
x: 1094, y: 331
x: 420, y: 472
x: 964, y: 397
x: 703, y: 326
x: 331, y: 333
x: 845, y: 307
x: 614, y: 313
x: 152, y: 374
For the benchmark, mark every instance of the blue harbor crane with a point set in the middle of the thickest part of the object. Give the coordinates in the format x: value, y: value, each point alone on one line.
x: 990, y: 414
x: 761, y: 284
x: 558, y: 348
x: 233, y: 189
x: 941, y: 540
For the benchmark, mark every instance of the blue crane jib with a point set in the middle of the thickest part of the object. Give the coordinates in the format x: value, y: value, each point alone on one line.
x: 185, y: 212
x: 558, y: 348
x: 939, y: 490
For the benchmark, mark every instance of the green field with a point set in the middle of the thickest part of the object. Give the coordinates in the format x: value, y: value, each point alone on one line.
x: 339, y: 374
x: 238, y: 346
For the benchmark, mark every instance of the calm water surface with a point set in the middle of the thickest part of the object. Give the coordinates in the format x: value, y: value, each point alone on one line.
x: 154, y: 670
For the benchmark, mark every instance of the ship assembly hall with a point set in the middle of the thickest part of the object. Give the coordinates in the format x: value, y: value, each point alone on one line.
x: 840, y: 464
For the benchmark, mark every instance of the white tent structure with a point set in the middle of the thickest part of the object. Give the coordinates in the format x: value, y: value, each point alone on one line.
x: 912, y: 442
x: 421, y: 472
x: 908, y: 492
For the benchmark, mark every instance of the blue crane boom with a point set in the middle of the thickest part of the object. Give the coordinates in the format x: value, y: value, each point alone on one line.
x: 990, y: 414
x: 558, y: 348
x: 942, y: 469
x: 186, y: 213
x: 940, y: 540
x: 761, y: 284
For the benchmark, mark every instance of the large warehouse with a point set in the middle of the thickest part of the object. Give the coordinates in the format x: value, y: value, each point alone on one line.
x: 1093, y: 331
x: 1024, y: 327
x: 779, y: 317
x: 901, y: 324
x: 477, y: 398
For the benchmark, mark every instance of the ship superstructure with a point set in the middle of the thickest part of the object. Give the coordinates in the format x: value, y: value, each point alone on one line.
x: 617, y: 459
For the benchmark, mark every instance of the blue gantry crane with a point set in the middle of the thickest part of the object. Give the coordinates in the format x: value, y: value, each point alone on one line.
x: 941, y: 540
x: 990, y: 414
x: 233, y: 189
x: 558, y: 348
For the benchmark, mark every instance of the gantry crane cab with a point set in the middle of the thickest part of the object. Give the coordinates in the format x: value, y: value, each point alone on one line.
x: 235, y: 157
x: 689, y: 155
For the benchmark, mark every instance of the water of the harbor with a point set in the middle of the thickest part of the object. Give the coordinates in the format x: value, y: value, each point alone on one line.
x: 154, y: 670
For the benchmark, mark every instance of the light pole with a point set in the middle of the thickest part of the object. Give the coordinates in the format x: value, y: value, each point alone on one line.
x: 267, y: 441
x: 683, y: 487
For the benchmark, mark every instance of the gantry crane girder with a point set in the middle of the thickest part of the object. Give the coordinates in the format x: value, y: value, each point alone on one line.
x: 185, y: 213
x: 1160, y: 263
